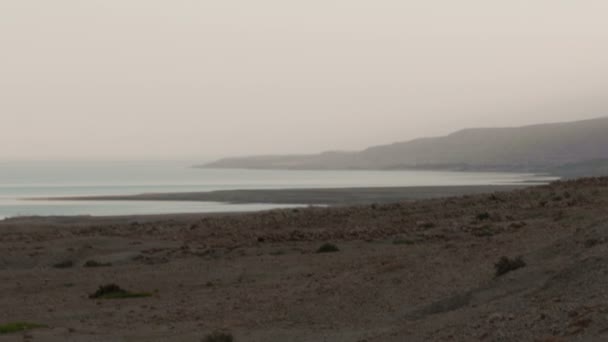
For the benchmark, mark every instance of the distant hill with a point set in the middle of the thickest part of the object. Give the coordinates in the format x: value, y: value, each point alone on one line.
x: 572, y: 148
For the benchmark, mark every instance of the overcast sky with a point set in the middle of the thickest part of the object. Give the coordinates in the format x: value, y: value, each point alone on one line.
x: 202, y: 78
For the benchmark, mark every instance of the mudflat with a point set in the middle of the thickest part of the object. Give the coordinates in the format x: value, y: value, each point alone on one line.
x: 335, y: 196
x: 404, y: 271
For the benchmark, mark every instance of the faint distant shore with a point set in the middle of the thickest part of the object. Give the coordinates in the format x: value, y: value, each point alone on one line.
x: 334, y: 196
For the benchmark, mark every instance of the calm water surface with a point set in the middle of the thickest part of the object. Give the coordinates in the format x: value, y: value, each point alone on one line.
x: 21, y: 180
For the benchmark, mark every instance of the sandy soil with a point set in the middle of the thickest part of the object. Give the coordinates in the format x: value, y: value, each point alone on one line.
x: 410, y: 271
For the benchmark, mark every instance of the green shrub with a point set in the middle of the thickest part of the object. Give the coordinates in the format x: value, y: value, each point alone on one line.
x: 484, y: 231
x: 328, y: 248
x: 64, y: 264
x: 403, y: 242
x: 219, y: 337
x: 426, y: 225
x: 483, y: 216
x: 18, y: 327
x: 93, y: 263
x: 113, y: 291
x: 506, y: 265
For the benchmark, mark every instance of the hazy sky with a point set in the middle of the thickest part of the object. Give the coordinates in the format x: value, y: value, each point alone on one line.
x: 202, y: 78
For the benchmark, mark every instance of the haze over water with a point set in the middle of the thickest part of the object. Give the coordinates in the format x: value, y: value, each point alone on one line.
x: 22, y: 180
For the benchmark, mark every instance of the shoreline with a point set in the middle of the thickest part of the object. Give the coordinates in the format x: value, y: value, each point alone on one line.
x: 314, y: 197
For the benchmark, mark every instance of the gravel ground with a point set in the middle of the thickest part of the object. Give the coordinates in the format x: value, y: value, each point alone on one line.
x: 409, y: 271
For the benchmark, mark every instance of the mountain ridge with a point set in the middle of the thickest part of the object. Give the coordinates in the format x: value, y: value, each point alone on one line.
x: 533, y: 148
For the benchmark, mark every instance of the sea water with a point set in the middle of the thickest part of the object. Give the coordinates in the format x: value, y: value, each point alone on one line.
x: 20, y: 181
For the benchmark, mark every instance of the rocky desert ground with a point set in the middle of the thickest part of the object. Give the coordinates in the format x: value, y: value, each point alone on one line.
x: 408, y: 271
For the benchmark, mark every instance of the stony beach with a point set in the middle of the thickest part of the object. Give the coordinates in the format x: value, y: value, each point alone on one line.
x: 402, y: 271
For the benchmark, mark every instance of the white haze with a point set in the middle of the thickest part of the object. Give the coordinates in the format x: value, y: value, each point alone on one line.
x: 195, y: 78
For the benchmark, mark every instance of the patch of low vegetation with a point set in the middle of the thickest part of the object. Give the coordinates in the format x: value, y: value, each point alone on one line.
x: 590, y: 243
x: 401, y: 241
x: 16, y: 327
x: 113, y: 291
x: 483, y: 216
x: 93, y: 263
x: 484, y: 231
x: 328, y: 248
x: 64, y: 264
x: 426, y: 225
x: 219, y: 336
x: 506, y: 265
